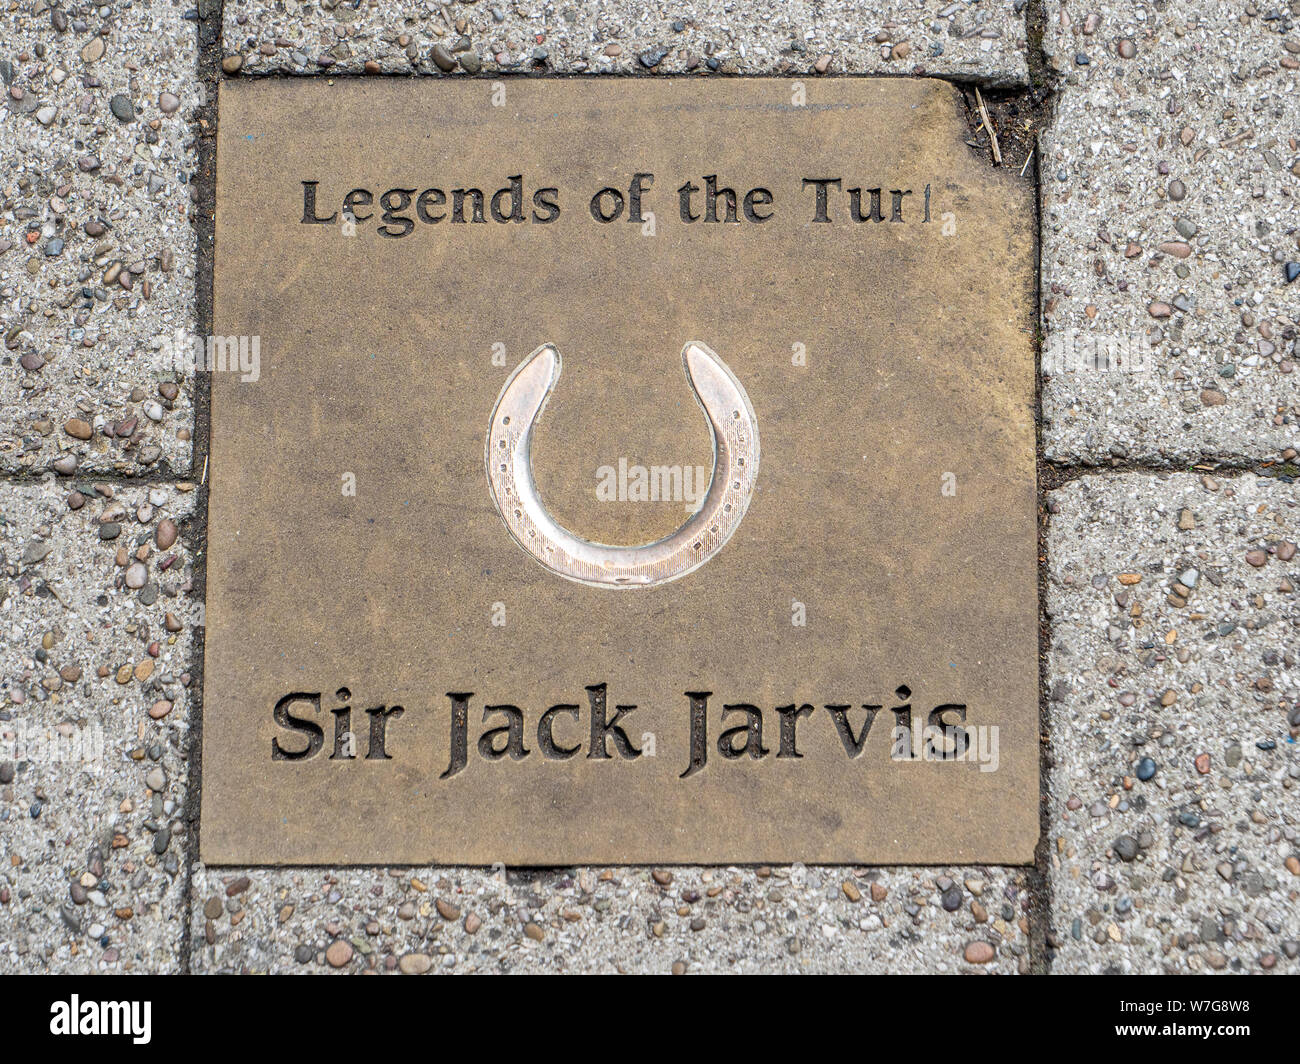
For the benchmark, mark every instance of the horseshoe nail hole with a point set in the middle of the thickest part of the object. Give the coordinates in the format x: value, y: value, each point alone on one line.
x: 697, y: 546
x: 505, y: 421
x: 727, y: 508
x: 736, y: 485
x: 740, y: 461
x: 735, y: 415
x: 502, y: 467
x: 501, y: 444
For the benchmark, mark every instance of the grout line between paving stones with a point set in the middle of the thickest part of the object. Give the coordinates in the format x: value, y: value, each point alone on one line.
x: 208, y: 29
x: 1040, y: 906
x: 1053, y: 475
x: 1040, y: 883
x: 545, y: 74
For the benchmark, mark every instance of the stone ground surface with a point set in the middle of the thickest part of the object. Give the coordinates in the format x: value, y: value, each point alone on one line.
x: 788, y: 919
x: 984, y: 40
x: 1169, y: 173
x: 96, y: 622
x: 96, y: 246
x: 1170, y: 190
x: 1175, y: 624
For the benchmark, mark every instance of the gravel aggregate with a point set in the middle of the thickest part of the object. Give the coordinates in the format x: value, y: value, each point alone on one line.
x: 1169, y: 189
x: 1174, y: 657
x: 96, y: 246
x: 983, y: 40
x: 94, y: 726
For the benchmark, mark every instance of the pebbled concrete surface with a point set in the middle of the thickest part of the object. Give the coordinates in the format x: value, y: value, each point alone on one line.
x: 789, y: 919
x: 984, y: 39
x: 1197, y: 868
x: 96, y: 249
x: 1169, y: 188
x: 94, y: 726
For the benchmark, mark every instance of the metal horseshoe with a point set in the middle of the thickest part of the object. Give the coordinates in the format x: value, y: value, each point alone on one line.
x: 510, y: 477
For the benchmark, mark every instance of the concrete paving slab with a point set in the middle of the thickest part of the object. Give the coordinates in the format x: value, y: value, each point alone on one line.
x: 984, y: 40
x: 1174, y: 714
x: 680, y: 920
x: 96, y: 248
x: 97, y: 620
x: 1170, y: 176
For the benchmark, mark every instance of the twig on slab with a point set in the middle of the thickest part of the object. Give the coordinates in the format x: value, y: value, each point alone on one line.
x: 993, y: 136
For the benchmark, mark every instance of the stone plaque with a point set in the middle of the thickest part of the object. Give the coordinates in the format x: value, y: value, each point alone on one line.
x: 633, y: 470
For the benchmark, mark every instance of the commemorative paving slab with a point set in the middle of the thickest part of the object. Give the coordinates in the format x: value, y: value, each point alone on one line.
x: 96, y: 249
x: 983, y: 40
x: 634, y: 920
x: 1170, y: 175
x: 1174, y: 714
x: 97, y: 622
x: 374, y: 551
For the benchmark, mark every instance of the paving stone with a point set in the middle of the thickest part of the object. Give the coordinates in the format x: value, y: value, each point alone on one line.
x: 93, y: 768
x: 96, y: 248
x: 979, y: 591
x: 788, y: 919
x: 1186, y: 871
x: 984, y: 40
x: 1170, y: 185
